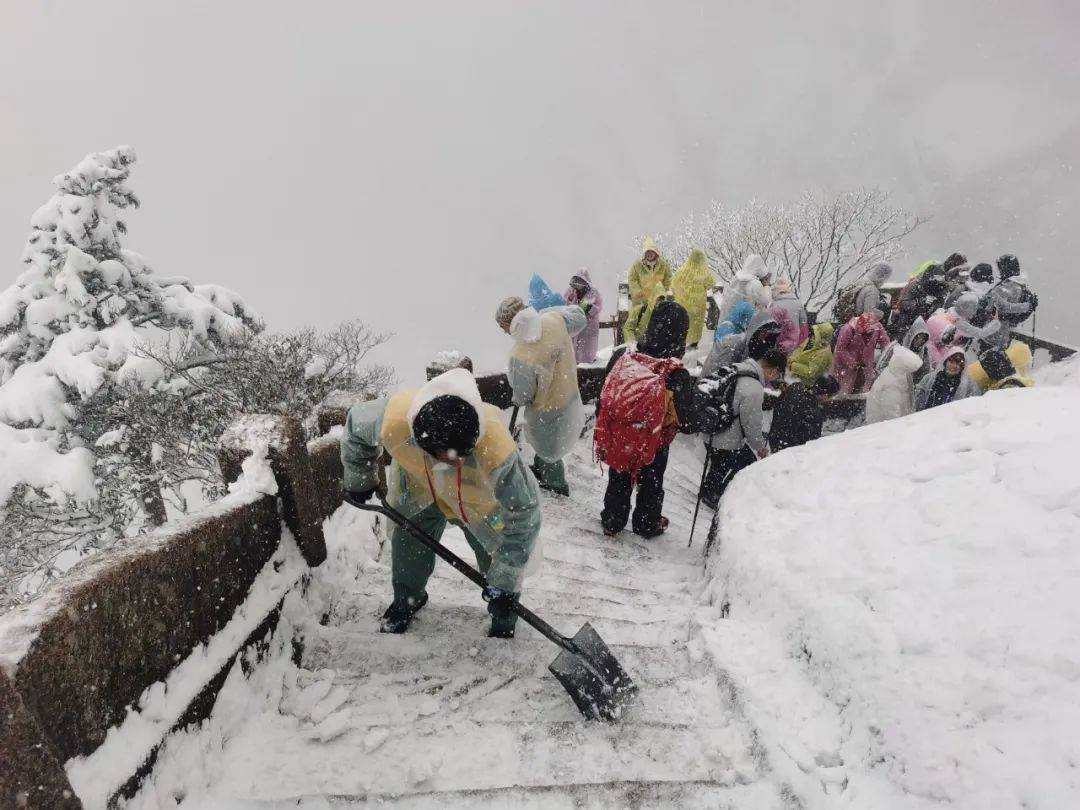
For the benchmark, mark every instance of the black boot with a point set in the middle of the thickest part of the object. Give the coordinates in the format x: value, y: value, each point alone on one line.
x: 503, y: 619
x: 398, y: 616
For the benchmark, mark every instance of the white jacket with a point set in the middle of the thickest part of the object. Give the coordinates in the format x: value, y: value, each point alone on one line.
x: 893, y: 394
x: 747, y: 286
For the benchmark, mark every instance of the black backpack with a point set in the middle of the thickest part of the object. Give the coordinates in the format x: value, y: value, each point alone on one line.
x: 987, y: 305
x: 844, y: 310
x: 714, y: 399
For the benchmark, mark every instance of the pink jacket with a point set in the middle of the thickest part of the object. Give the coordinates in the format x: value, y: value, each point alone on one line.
x: 856, y: 344
x: 789, y: 330
x: 585, y: 341
x: 937, y: 325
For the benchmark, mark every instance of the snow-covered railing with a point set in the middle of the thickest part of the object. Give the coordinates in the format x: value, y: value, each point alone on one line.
x: 136, y: 641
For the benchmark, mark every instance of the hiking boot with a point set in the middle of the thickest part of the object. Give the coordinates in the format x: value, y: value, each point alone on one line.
x: 610, y: 532
x: 664, y: 523
x: 503, y: 619
x: 399, y: 615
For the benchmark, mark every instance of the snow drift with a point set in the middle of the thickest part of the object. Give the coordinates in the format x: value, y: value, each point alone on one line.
x: 921, y: 575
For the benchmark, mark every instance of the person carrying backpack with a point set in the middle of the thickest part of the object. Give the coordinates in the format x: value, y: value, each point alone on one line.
x: 1010, y: 299
x: 797, y: 417
x: 734, y: 422
x: 648, y: 397
x: 863, y: 295
x: 922, y: 297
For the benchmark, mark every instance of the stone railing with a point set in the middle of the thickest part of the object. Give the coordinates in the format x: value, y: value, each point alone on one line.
x: 75, y: 661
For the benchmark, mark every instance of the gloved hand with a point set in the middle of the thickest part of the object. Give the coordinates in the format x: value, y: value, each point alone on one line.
x: 586, y: 308
x: 493, y: 594
x: 359, y: 496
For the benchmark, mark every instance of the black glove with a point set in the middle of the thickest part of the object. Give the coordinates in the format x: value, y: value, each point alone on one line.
x: 361, y: 496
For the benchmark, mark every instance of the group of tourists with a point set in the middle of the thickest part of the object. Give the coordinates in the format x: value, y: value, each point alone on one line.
x: 760, y: 388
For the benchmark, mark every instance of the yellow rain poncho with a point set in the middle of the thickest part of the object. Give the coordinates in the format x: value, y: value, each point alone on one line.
x: 691, y: 286
x: 648, y: 284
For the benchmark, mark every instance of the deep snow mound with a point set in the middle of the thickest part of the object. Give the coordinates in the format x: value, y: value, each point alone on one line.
x: 924, y: 576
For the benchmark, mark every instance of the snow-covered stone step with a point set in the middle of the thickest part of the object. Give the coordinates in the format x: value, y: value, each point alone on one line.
x: 597, y: 796
x: 461, y: 754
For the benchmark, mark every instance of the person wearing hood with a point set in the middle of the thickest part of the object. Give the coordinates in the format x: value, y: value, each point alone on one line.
x: 734, y: 347
x: 543, y: 377
x: 452, y: 459
x: 922, y: 297
x: 893, y: 393
x: 650, y: 280
x: 813, y: 358
x: 690, y: 287
x: 750, y: 284
x: 916, y: 340
x: 582, y: 293
x: 868, y: 298
x: 783, y: 295
x: 942, y: 329
x: 1001, y: 372
x: 737, y: 320
x: 541, y: 296
x: 948, y: 384
x: 1010, y: 299
x: 965, y: 311
x: 1017, y: 362
x: 664, y: 339
x: 854, y: 355
x: 979, y: 282
x: 797, y: 416
x: 743, y: 442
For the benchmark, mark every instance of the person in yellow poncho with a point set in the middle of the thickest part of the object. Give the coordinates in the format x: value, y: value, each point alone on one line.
x: 691, y: 285
x: 650, y: 279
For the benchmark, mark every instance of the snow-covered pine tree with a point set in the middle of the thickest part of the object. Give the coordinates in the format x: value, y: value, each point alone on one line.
x: 69, y: 328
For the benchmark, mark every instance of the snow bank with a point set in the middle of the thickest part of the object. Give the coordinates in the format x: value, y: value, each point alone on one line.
x: 922, y: 576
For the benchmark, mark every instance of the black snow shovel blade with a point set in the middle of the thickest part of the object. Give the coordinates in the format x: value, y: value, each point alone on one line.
x: 593, y: 676
x: 586, y: 667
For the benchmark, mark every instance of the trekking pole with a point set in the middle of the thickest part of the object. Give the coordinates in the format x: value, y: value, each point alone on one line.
x: 513, y: 418
x: 704, y: 473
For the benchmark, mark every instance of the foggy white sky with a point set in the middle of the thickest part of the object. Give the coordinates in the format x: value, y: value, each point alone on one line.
x: 412, y: 164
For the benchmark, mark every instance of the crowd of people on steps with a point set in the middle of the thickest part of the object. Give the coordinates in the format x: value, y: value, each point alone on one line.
x: 758, y: 384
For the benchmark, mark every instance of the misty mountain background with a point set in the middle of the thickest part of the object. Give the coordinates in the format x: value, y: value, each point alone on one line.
x: 412, y: 164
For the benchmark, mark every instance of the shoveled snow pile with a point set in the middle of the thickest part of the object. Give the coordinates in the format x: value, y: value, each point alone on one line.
x: 922, y: 577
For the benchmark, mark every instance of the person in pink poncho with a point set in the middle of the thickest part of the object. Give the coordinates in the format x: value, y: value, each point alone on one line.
x: 853, y: 357
x: 582, y: 292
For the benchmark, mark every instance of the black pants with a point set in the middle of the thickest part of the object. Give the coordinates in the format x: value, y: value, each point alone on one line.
x: 650, y: 497
x: 723, y: 464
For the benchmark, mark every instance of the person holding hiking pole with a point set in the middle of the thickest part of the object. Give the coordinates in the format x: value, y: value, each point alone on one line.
x: 452, y: 460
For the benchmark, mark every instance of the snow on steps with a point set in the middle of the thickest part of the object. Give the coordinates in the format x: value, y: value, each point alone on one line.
x: 444, y: 716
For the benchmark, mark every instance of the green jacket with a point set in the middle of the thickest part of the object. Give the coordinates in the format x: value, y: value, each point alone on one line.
x: 506, y: 523
x: 813, y: 358
x: 691, y: 285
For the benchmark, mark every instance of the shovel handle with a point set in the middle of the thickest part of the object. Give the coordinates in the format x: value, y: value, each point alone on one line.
x: 462, y: 567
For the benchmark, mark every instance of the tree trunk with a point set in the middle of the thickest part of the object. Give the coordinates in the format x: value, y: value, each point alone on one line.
x: 154, y: 506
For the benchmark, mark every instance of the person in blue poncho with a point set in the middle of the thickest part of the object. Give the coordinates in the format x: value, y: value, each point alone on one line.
x: 541, y: 296
x: 737, y: 321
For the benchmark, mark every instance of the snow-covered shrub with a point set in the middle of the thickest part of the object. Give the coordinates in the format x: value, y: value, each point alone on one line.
x: 116, y: 382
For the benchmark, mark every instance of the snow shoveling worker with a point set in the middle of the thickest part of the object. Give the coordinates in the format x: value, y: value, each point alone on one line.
x: 543, y: 377
x: 582, y: 293
x: 690, y: 286
x: 650, y: 281
x: 648, y: 397
x: 452, y: 460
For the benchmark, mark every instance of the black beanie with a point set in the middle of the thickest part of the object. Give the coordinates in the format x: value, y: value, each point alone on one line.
x: 955, y: 260
x: 446, y: 423
x: 765, y: 338
x: 996, y: 364
x: 982, y: 273
x: 1008, y: 266
x: 665, y: 335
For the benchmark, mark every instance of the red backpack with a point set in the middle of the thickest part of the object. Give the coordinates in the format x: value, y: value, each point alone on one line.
x: 630, y: 428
